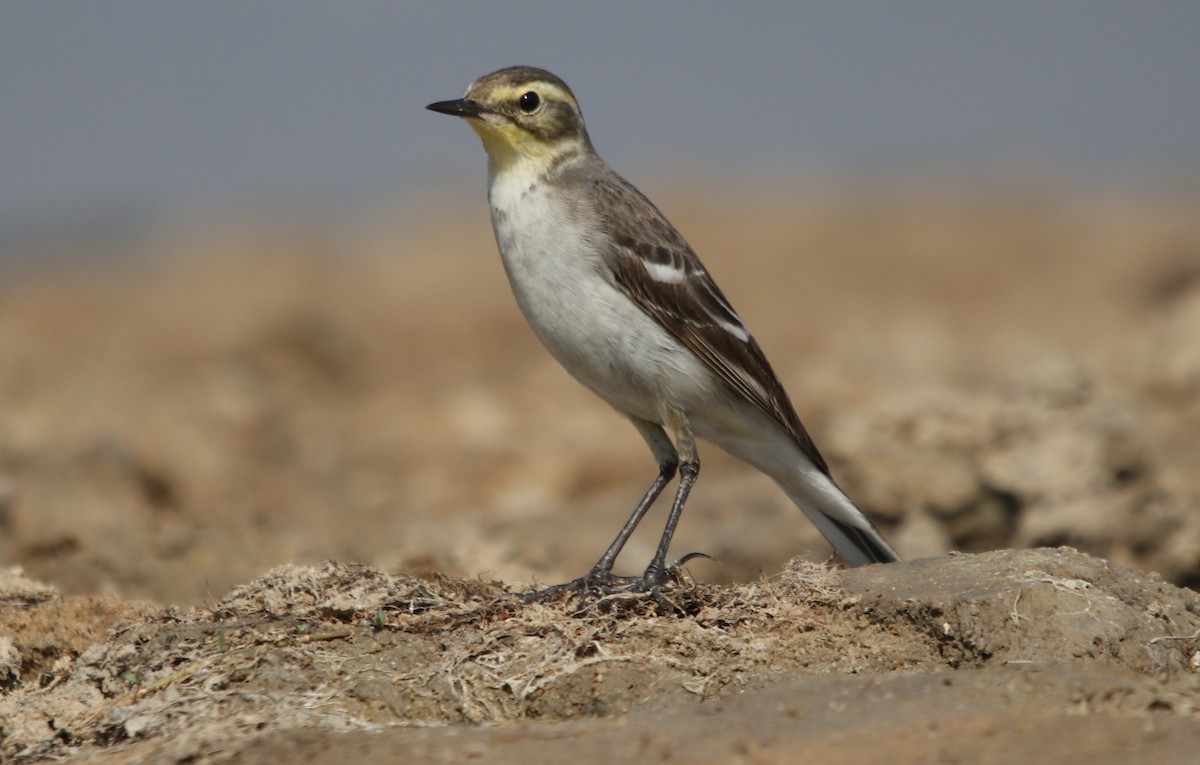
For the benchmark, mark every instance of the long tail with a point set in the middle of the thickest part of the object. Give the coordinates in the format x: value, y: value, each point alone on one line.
x: 845, y: 526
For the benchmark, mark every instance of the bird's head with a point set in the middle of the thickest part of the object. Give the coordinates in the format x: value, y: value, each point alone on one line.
x: 521, y: 113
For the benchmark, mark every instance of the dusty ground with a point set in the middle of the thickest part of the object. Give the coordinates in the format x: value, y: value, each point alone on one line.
x: 984, y: 371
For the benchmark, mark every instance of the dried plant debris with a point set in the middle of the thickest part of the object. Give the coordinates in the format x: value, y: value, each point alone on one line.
x: 347, y: 647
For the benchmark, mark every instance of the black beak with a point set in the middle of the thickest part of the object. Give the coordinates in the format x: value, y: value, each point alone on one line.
x: 463, y: 107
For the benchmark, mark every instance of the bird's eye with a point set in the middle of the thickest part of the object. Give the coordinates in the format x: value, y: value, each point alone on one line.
x: 529, y: 102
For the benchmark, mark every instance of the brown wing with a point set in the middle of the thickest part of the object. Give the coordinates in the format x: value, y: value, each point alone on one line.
x: 653, y: 264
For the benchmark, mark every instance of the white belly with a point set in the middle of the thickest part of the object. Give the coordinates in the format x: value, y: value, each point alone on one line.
x: 598, y: 334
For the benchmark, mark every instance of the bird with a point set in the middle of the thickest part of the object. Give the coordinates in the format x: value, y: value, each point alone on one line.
x: 625, y: 305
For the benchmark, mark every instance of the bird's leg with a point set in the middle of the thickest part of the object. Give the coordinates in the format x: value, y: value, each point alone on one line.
x: 603, y: 567
x: 668, y: 464
x: 601, y: 579
x: 689, y: 469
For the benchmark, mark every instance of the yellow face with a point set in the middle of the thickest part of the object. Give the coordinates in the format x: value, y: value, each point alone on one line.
x: 520, y: 112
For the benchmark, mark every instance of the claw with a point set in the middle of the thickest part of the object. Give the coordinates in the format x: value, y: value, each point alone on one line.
x: 691, y: 556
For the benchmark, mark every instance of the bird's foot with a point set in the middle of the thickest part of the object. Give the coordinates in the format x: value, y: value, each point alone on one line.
x: 656, y: 575
x: 597, y: 583
x: 601, y: 585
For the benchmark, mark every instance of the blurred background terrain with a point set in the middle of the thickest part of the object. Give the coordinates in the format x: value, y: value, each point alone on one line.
x: 251, y: 311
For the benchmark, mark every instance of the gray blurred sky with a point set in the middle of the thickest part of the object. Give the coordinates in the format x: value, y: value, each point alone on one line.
x: 130, y: 108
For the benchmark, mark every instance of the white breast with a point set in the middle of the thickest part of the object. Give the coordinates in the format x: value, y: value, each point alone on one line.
x: 599, y: 335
